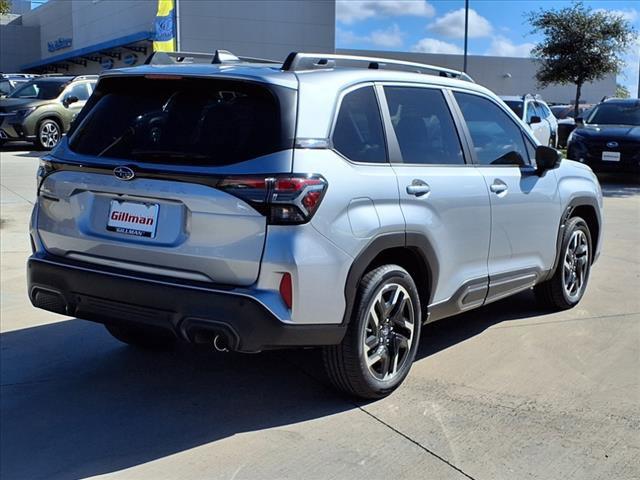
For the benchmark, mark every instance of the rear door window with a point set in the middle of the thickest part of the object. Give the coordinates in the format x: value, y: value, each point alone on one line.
x: 193, y: 121
x: 358, y: 133
x: 424, y: 126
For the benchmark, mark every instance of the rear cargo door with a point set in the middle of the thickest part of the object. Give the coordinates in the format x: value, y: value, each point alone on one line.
x: 136, y: 186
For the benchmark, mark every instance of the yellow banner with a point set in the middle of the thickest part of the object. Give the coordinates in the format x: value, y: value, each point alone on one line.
x: 165, y: 27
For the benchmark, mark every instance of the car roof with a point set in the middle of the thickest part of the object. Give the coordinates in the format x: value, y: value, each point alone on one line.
x: 273, y: 73
x: 512, y: 98
x: 623, y: 101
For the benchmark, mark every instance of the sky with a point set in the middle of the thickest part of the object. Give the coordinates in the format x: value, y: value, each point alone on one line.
x: 496, y: 27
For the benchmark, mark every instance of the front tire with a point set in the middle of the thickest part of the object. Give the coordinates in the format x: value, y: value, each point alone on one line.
x: 49, y: 134
x: 146, y: 338
x: 567, y: 286
x: 380, y: 345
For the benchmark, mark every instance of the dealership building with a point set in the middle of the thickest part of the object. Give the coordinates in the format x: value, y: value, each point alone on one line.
x: 89, y: 36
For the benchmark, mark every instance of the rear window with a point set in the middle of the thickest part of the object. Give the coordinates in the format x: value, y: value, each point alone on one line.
x: 516, y: 106
x: 185, y: 120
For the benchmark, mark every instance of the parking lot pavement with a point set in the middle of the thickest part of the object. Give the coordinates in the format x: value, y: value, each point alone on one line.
x: 504, y: 392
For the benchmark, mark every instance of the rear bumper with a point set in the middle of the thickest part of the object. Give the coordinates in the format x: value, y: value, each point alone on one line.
x: 193, y: 313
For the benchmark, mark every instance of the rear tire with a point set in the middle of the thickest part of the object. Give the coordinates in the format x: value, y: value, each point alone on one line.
x: 380, y: 345
x: 141, y: 337
x: 567, y: 286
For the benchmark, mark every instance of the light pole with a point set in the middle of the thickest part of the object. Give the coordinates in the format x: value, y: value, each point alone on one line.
x: 466, y: 33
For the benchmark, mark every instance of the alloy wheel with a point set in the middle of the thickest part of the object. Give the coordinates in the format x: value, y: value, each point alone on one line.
x: 49, y: 134
x: 576, y: 265
x: 389, y: 332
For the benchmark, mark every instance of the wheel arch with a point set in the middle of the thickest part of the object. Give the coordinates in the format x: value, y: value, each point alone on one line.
x: 587, y: 208
x: 411, y: 251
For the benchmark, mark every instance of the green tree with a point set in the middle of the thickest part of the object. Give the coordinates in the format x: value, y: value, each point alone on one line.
x: 5, y: 7
x: 580, y: 45
x: 622, y: 91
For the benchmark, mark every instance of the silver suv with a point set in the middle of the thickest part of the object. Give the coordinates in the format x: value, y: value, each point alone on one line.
x: 329, y: 201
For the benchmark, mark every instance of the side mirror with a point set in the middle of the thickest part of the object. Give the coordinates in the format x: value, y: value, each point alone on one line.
x: 535, y: 119
x: 579, y: 121
x: 547, y: 158
x: 69, y: 100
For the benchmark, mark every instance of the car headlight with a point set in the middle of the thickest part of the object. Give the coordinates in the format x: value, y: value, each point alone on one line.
x: 23, y: 112
x: 574, y: 136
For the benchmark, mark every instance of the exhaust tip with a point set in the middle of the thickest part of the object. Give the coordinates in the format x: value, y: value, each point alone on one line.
x: 206, y: 332
x: 220, y: 343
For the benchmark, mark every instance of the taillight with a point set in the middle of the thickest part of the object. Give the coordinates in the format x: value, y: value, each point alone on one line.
x: 284, y: 200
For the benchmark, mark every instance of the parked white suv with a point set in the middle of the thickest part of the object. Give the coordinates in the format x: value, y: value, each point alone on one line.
x: 536, y: 114
x: 329, y: 201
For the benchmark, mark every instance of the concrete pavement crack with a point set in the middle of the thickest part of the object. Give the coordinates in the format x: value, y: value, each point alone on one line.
x: 382, y: 422
x: 416, y: 443
x: 18, y: 195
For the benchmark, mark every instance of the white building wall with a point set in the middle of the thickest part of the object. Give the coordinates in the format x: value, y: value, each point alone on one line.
x: 18, y: 42
x: 97, y: 22
x: 267, y: 29
x: 54, y: 20
x: 505, y: 75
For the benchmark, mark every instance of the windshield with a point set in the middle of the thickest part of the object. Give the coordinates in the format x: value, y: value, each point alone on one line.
x: 615, y: 114
x: 40, y: 89
x: 516, y: 106
x: 185, y: 120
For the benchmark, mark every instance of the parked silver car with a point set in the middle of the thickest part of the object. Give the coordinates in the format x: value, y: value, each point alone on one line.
x: 330, y: 201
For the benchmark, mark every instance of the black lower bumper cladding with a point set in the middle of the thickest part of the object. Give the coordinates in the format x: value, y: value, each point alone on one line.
x: 190, y: 312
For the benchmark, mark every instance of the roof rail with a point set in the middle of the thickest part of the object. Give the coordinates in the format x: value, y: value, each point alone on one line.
x: 298, y: 61
x: 219, y: 57
x: 85, y: 77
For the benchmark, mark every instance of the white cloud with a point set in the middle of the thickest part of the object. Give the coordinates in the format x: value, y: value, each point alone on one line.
x: 452, y: 25
x: 629, y: 75
x: 388, y: 38
x: 391, y: 37
x: 503, y: 47
x: 351, y: 11
x: 630, y: 15
x: 432, y: 45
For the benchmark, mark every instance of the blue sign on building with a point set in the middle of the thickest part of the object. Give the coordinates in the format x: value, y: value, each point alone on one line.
x: 59, y: 44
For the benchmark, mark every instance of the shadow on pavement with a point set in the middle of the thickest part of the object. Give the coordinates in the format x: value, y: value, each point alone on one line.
x: 76, y: 403
x: 23, y: 150
x: 619, y: 186
x: 445, y: 333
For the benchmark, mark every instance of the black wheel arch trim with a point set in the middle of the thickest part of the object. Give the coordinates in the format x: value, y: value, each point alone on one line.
x: 579, y: 201
x: 50, y: 116
x: 415, y: 241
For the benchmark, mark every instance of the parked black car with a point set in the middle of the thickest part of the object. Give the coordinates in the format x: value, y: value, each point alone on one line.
x: 566, y: 122
x: 608, y: 138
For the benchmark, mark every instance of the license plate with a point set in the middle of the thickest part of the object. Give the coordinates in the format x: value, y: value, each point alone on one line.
x: 610, y: 156
x: 139, y: 219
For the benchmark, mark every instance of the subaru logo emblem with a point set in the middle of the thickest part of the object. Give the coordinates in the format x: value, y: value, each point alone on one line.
x: 612, y: 144
x: 124, y: 173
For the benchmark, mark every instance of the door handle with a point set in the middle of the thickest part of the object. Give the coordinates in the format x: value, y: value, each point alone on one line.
x: 418, y: 188
x: 498, y: 187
